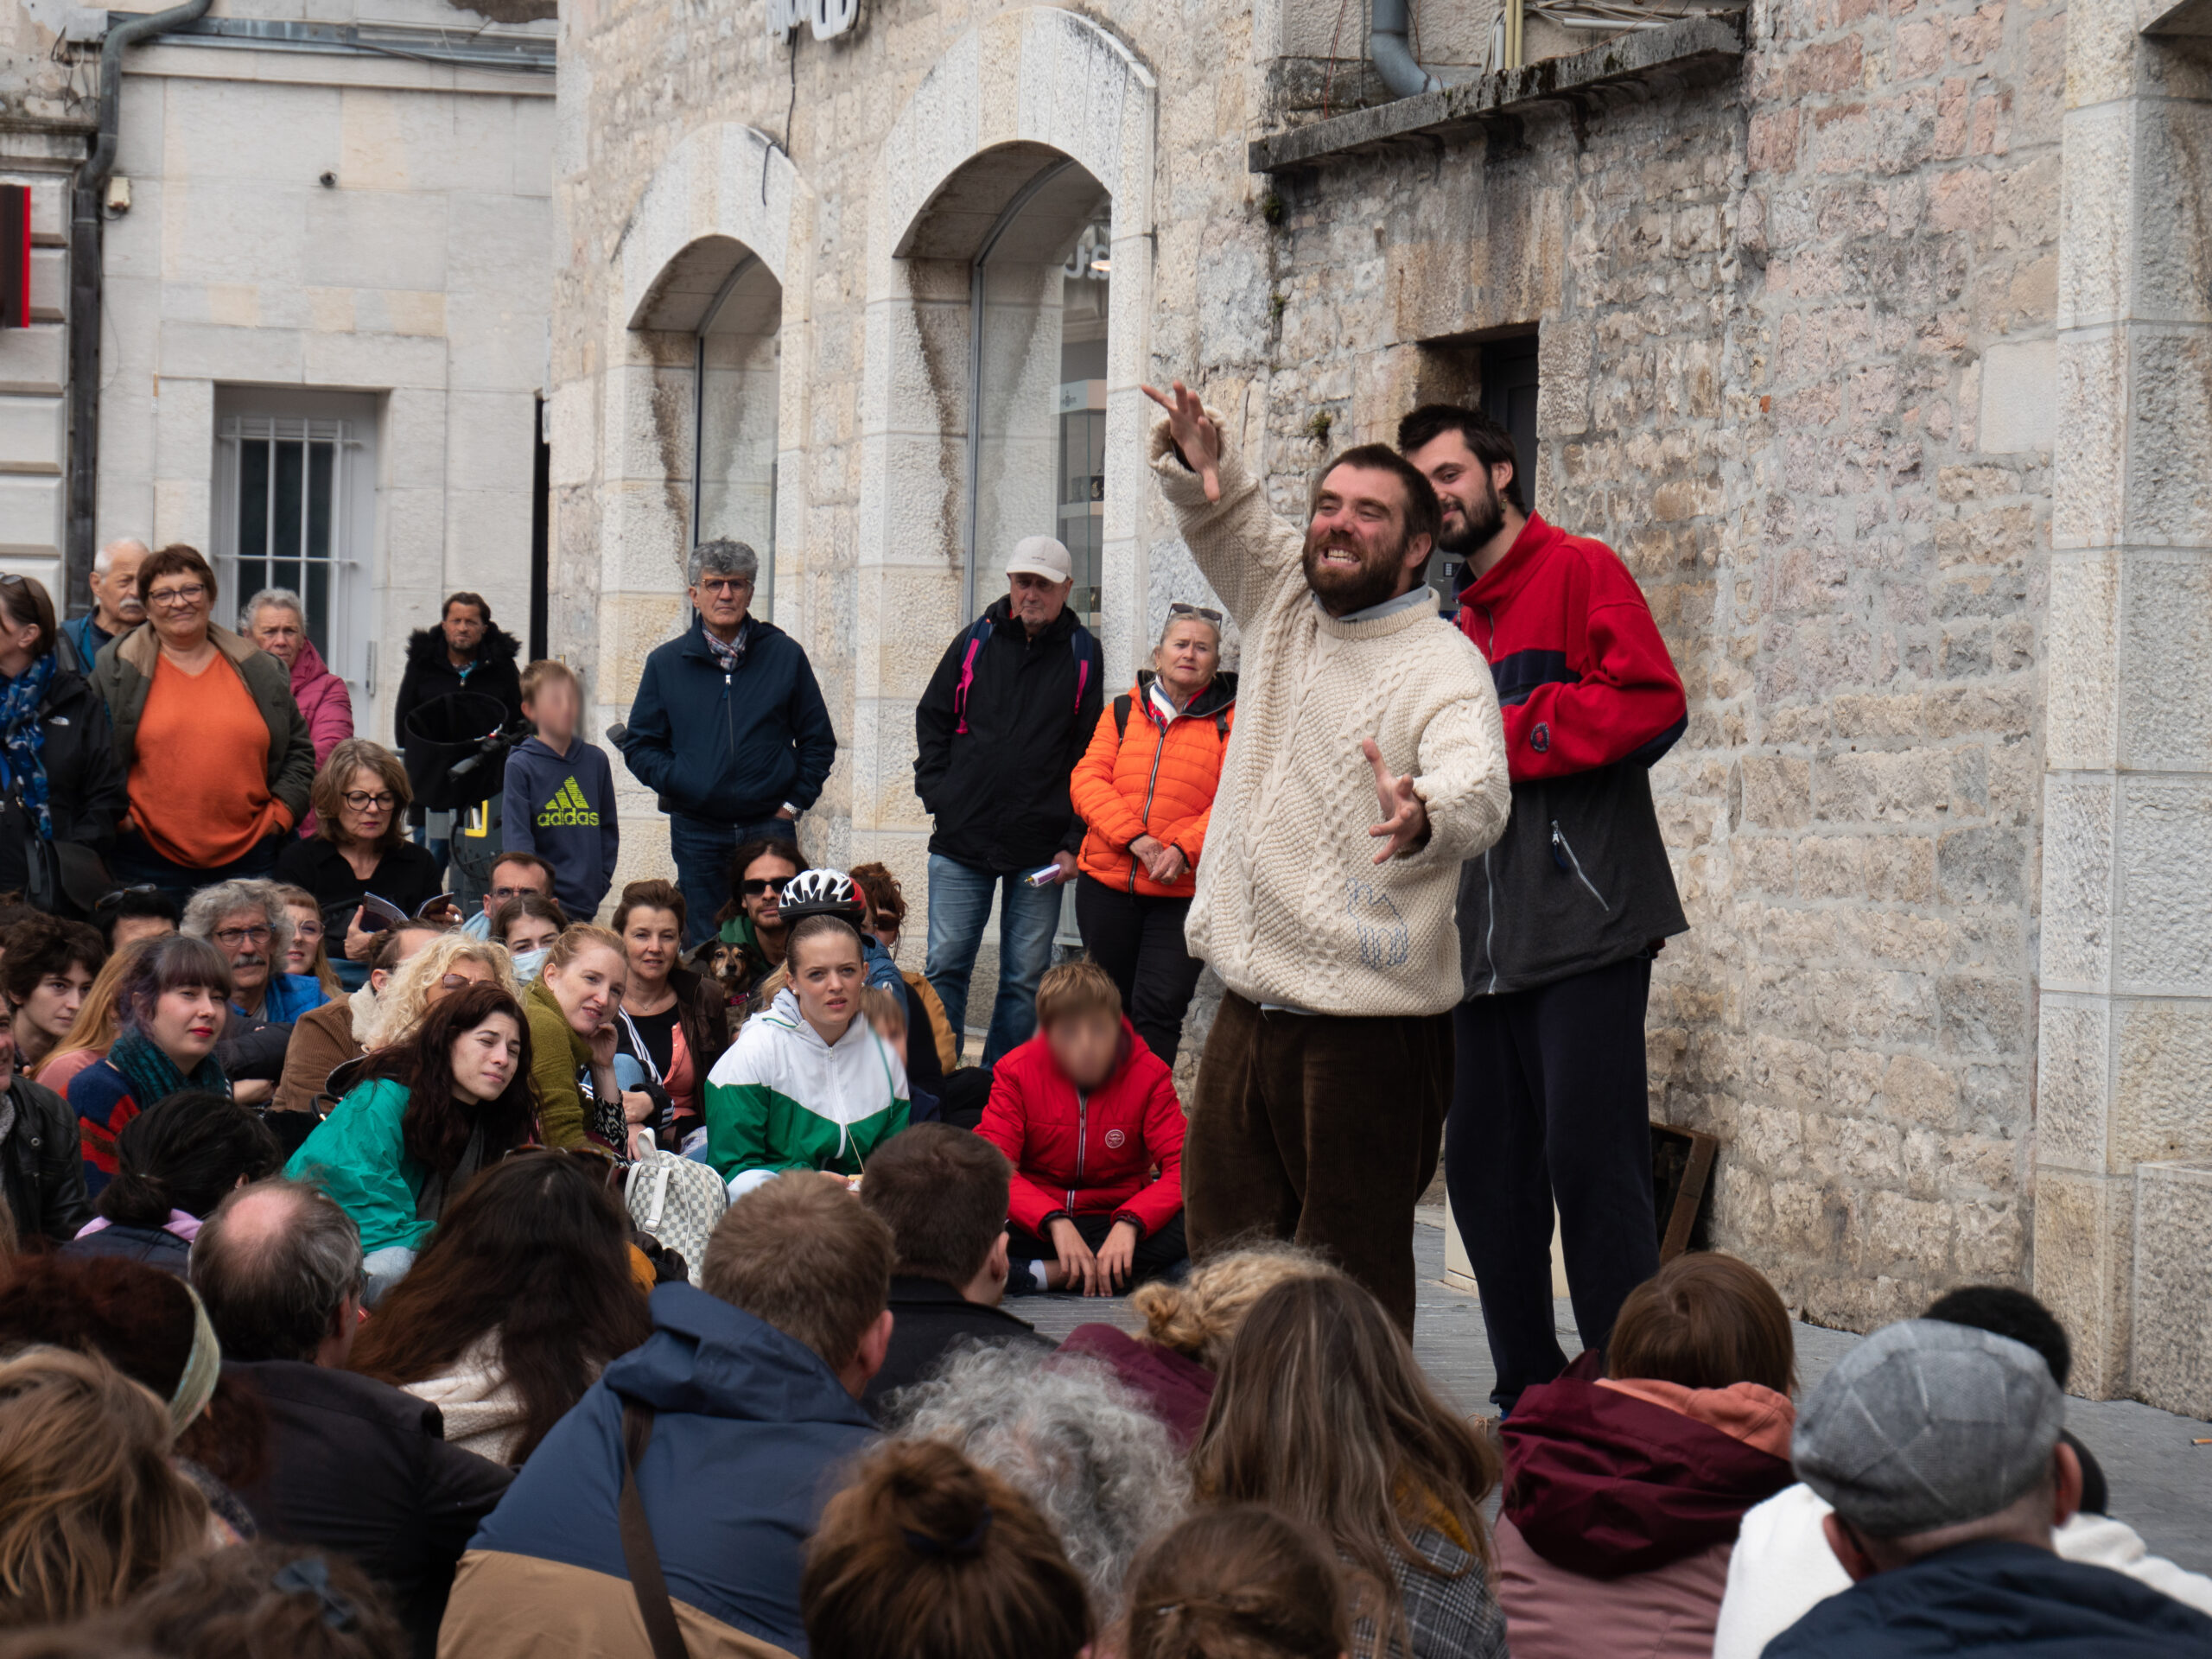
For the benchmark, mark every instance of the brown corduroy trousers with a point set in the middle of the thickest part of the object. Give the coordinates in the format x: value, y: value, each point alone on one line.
x: 1321, y: 1128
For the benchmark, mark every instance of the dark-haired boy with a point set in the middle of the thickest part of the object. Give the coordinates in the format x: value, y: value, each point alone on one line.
x: 1559, y: 920
x: 943, y: 1190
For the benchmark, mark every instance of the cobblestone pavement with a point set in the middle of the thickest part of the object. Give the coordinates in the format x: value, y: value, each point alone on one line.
x: 2161, y: 1483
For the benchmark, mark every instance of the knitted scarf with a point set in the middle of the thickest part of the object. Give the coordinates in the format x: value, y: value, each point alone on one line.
x: 153, y: 1077
x: 23, y: 734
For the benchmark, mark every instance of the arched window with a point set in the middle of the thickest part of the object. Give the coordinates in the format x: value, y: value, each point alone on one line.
x: 734, y: 474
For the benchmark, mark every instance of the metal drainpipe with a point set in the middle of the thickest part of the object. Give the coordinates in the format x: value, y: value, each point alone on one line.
x: 1392, y: 57
x: 86, y: 239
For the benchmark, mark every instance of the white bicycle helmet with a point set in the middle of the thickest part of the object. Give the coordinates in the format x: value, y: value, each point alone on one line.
x: 820, y: 892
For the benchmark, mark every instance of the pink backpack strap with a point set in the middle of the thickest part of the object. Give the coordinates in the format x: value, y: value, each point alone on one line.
x: 967, y: 679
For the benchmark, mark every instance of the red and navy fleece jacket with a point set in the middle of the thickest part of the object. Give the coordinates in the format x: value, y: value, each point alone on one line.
x: 1591, y: 701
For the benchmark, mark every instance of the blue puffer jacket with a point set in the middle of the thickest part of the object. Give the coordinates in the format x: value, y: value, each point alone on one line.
x: 730, y: 748
x: 752, y: 1435
x: 1998, y: 1598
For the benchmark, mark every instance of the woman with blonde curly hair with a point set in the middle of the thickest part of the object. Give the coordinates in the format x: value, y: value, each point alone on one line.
x: 1171, y: 1364
x: 94, y: 1509
x: 453, y: 962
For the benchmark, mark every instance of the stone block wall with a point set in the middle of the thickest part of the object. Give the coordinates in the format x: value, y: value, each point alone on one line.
x: 1796, y: 344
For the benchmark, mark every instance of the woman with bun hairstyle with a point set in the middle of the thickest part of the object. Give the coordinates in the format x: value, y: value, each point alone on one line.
x: 173, y: 1165
x: 927, y: 1556
x: 1188, y: 1326
x: 1240, y: 1582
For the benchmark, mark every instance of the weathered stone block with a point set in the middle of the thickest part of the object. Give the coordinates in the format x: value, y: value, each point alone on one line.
x: 2172, y: 1362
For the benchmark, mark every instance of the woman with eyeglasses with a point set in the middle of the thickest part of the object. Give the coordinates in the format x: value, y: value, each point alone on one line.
x: 170, y: 1006
x: 309, y: 954
x: 359, y: 849
x: 427, y: 1113
x: 1145, y: 788
x: 59, y: 781
x: 217, y: 757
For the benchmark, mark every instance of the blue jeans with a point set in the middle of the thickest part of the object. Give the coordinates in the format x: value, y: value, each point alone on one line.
x: 382, y: 1269
x: 703, y: 873
x: 960, y: 903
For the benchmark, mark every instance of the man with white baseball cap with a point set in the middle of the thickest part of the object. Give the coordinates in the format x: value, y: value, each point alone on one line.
x: 1007, y: 716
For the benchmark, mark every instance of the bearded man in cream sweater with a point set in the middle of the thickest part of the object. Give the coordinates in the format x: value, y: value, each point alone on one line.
x: 1321, y: 1095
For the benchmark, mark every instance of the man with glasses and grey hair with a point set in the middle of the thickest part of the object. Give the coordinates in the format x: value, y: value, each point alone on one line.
x: 352, y: 1465
x: 728, y: 729
x: 247, y: 922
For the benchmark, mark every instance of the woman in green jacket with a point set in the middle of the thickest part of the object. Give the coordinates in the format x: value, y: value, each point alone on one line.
x: 428, y: 1114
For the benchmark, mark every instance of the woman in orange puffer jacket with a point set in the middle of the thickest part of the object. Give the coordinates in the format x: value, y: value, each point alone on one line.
x: 1145, y: 790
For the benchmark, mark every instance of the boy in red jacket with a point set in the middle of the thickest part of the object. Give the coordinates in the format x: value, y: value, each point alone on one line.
x: 1086, y: 1113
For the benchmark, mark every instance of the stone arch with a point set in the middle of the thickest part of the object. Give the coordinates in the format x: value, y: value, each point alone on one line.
x: 722, y: 220
x: 1018, y: 95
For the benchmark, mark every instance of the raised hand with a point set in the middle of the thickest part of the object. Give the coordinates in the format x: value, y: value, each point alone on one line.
x: 1405, y: 819
x: 1194, y: 433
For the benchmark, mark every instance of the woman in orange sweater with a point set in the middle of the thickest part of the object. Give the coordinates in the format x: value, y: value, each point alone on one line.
x: 1145, y: 789
x: 216, y: 754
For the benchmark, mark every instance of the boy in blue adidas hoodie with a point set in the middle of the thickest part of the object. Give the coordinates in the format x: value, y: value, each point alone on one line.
x: 560, y: 794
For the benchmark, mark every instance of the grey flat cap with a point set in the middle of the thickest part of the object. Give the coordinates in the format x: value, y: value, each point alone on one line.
x: 1926, y: 1425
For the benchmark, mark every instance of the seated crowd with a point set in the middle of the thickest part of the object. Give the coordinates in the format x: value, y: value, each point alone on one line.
x: 522, y: 1286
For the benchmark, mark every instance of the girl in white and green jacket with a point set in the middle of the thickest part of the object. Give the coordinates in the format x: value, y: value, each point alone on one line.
x: 808, y: 1085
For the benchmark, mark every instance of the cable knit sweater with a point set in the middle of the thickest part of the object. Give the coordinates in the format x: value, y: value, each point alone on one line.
x: 1291, y: 907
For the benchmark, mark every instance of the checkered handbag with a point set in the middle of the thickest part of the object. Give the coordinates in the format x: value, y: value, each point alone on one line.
x: 678, y: 1200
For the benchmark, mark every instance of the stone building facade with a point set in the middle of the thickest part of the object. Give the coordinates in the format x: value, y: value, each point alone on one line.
x: 326, y: 283
x: 1871, y: 333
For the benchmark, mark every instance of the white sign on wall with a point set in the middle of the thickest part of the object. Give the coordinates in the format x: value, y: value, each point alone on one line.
x: 826, y: 18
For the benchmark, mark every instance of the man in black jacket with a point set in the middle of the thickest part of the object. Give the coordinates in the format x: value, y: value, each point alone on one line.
x: 944, y: 1192
x: 464, y: 652
x: 41, y: 1167
x: 354, y: 1465
x: 1007, y: 715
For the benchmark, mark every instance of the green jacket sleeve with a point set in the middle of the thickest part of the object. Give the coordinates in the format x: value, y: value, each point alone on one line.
x: 737, y: 1130
x: 357, y: 1156
x: 553, y: 1073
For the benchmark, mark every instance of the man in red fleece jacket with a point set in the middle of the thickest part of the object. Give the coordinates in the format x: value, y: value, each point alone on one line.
x: 1559, y: 922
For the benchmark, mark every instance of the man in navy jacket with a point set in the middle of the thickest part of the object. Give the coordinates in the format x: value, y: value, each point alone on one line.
x: 728, y: 729
x: 746, y: 1398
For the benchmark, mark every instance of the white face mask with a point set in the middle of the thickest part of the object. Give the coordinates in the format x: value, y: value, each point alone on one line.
x: 528, y: 963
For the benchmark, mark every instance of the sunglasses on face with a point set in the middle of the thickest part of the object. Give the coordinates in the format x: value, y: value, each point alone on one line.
x: 454, y: 981
x: 753, y: 886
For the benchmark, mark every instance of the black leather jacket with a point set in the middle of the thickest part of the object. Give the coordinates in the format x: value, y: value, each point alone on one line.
x: 41, y: 1167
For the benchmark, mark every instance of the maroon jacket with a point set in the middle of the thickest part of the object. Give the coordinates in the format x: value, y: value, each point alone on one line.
x: 1176, y: 1388
x: 1088, y: 1154
x: 1605, y: 1484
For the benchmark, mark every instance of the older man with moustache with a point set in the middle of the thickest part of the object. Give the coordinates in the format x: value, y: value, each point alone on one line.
x: 117, y: 607
x: 1320, y: 1099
